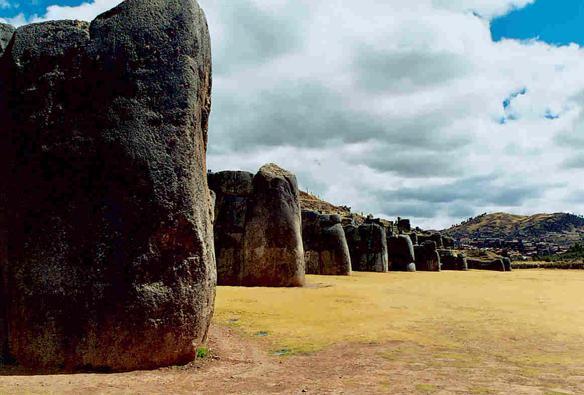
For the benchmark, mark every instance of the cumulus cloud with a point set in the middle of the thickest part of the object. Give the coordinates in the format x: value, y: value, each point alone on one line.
x: 394, y: 108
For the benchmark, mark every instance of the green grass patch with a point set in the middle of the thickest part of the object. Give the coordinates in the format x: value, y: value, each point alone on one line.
x: 203, y: 352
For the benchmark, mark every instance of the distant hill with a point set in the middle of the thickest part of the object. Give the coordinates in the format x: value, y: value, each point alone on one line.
x: 561, y: 227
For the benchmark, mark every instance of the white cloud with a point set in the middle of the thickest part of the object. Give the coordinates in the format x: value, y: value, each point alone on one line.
x: 369, y: 100
x: 431, y: 75
x: 85, y: 12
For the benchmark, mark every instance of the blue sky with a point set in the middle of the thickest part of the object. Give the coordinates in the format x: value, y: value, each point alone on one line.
x: 557, y: 22
x: 32, y: 7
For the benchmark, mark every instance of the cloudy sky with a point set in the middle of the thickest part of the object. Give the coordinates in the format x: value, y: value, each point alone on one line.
x: 431, y: 109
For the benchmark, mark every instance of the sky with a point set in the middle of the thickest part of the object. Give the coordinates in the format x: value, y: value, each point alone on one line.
x: 436, y: 110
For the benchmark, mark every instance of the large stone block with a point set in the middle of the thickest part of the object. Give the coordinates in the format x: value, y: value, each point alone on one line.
x: 107, y: 237
x: 6, y: 32
x: 233, y: 189
x: 273, y: 251
x: 496, y: 265
x: 427, y: 257
x: 401, y: 253
x: 325, y: 247
x: 258, y: 228
x: 367, y: 247
x: 451, y: 261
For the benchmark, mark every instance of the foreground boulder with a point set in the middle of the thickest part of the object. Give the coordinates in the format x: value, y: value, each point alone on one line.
x: 401, y: 254
x: 325, y: 247
x: 367, y: 247
x: 233, y: 190
x: 452, y: 261
x: 427, y: 257
x: 495, y: 265
x: 108, y: 258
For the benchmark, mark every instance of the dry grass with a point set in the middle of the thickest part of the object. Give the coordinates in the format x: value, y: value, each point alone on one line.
x: 531, y: 319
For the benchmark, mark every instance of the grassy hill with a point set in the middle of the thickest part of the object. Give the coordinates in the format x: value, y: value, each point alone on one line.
x: 567, y: 227
x: 311, y: 202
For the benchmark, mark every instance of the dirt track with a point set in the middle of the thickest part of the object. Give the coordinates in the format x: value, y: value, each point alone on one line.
x: 242, y: 365
x: 397, y: 333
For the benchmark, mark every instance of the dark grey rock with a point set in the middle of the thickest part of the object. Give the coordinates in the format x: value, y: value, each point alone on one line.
x: 451, y: 261
x: 404, y: 226
x: 6, y: 32
x: 401, y: 253
x: 437, y: 238
x: 367, y: 247
x: 105, y: 210
x: 233, y: 190
x: 508, y: 265
x: 273, y: 251
x: 427, y: 257
x: 496, y: 265
x: 448, y: 242
x: 325, y: 247
x: 414, y: 238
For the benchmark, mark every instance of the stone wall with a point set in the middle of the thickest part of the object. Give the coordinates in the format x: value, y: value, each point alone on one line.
x: 326, y: 250
x: 258, y: 230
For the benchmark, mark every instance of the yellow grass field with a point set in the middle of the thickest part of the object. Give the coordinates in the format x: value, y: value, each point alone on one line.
x: 395, y: 333
x: 533, y: 319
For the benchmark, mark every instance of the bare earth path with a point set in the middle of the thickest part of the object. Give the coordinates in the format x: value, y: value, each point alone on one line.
x: 245, y: 341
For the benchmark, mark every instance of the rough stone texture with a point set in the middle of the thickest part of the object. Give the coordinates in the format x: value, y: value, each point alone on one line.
x: 448, y: 242
x: 414, y: 238
x: 6, y: 32
x: 105, y: 211
x: 508, y: 265
x: 403, y: 225
x: 325, y: 247
x: 435, y: 237
x: 367, y: 247
x: 401, y: 253
x: 451, y: 261
x: 273, y: 251
x: 427, y: 257
x: 495, y: 265
x: 233, y: 190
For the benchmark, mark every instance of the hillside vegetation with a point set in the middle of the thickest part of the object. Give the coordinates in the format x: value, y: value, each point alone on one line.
x: 529, y: 228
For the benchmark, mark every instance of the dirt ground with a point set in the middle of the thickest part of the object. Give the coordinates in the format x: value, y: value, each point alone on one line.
x: 256, y: 350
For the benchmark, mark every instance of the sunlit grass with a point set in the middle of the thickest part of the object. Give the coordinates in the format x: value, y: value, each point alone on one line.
x: 528, y: 318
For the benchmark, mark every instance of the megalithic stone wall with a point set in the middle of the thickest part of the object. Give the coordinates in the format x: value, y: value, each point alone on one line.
x: 233, y: 190
x: 273, y: 250
x: 325, y: 247
x: 401, y: 254
x: 452, y: 261
x: 367, y: 247
x: 258, y: 228
x: 427, y: 257
x: 106, y: 214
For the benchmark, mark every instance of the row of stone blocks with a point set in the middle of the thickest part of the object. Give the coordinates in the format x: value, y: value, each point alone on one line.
x: 263, y: 239
x: 106, y: 240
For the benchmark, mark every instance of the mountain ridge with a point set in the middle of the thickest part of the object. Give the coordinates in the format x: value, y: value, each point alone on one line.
x: 504, y: 225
